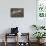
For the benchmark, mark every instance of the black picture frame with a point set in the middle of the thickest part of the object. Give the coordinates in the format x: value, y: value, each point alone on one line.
x: 17, y: 12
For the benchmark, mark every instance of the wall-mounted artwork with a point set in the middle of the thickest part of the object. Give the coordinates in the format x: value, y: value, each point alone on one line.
x: 17, y: 12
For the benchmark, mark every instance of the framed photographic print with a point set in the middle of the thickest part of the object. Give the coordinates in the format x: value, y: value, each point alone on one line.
x: 17, y: 12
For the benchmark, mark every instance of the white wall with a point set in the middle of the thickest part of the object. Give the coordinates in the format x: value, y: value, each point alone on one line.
x: 24, y: 23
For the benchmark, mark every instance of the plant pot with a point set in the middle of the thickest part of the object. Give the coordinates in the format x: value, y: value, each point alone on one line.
x: 40, y: 41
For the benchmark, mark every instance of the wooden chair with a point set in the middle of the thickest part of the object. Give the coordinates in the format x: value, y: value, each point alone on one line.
x: 8, y: 34
x: 27, y: 37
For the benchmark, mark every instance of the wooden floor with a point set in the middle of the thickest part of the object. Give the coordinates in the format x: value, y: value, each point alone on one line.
x: 13, y: 44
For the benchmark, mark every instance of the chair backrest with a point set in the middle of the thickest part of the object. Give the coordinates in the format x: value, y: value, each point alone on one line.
x: 14, y: 30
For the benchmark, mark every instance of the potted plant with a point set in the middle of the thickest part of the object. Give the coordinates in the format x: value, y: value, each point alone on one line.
x: 39, y: 35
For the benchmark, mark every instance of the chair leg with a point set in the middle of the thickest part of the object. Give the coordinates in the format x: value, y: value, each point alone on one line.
x: 5, y: 40
x: 5, y: 43
x: 17, y: 39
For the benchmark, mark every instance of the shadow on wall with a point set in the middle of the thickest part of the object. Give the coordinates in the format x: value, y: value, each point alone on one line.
x: 7, y: 30
x: 32, y: 30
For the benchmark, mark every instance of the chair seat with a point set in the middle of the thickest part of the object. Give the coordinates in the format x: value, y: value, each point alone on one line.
x: 9, y: 34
